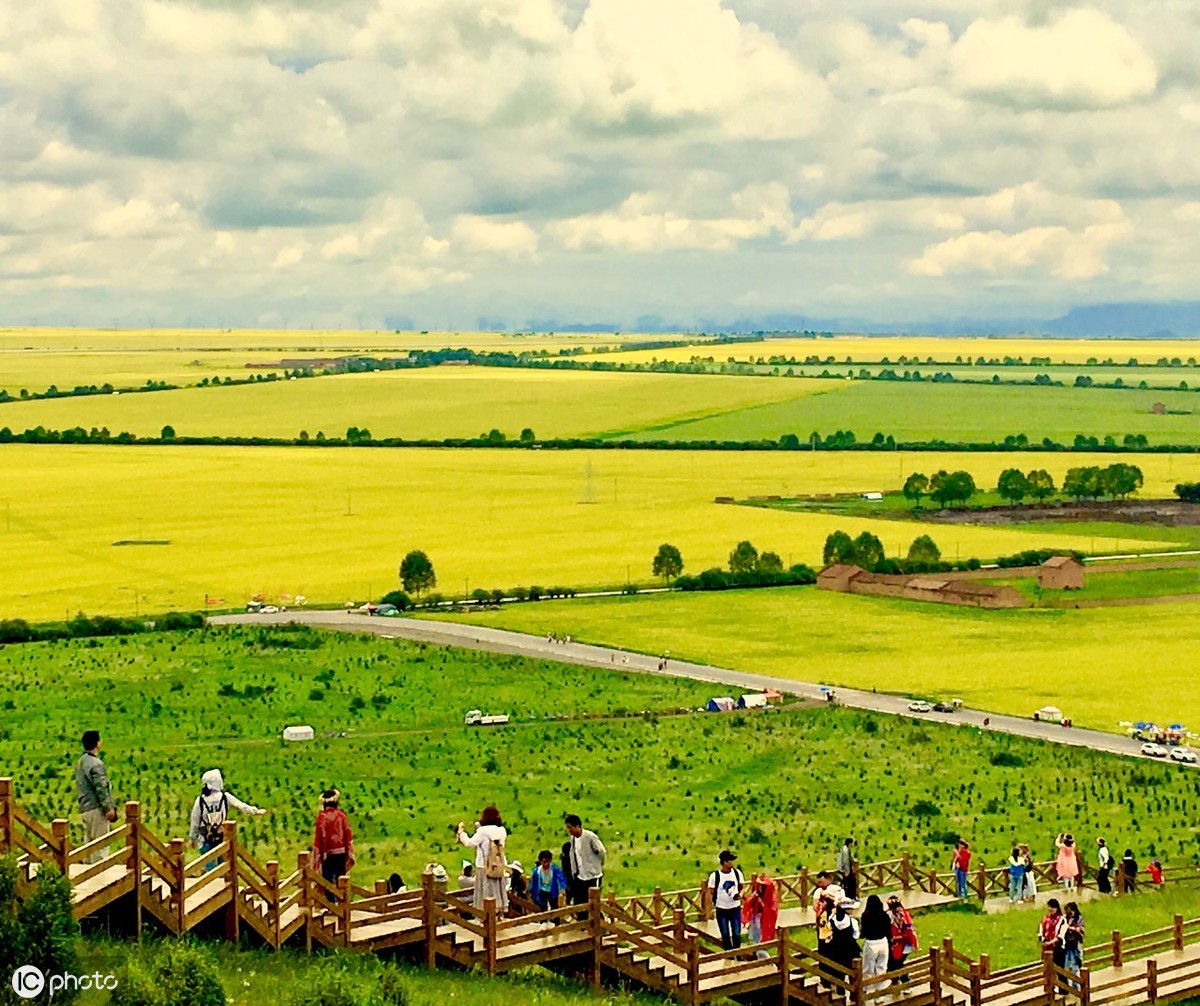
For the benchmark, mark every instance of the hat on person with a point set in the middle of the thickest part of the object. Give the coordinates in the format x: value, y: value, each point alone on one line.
x: 726, y: 856
x: 466, y: 863
x: 516, y: 866
x: 330, y: 797
x: 439, y: 872
x: 893, y: 899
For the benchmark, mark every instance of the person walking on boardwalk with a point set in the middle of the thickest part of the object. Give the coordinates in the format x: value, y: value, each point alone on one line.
x: 961, y: 864
x: 1016, y: 875
x: 333, y: 841
x: 845, y: 867
x: 903, y: 937
x: 210, y: 811
x: 1072, y: 939
x: 547, y: 884
x: 94, y: 792
x: 877, y: 937
x: 587, y: 859
x: 1104, y: 865
x: 1051, y: 932
x: 1066, y: 867
x: 1029, y: 891
x: 491, y: 867
x: 724, y: 886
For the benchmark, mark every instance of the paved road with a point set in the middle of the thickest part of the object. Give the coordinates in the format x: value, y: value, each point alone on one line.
x: 479, y: 637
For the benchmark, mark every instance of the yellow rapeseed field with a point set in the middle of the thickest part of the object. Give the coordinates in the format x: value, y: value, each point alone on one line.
x: 332, y: 524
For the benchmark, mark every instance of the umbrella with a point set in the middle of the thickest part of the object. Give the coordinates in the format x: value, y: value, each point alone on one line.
x: 1177, y: 726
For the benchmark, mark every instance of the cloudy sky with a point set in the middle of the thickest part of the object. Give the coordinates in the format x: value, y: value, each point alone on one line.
x: 458, y: 162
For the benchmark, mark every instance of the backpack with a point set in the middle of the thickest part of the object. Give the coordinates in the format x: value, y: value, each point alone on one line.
x: 495, y: 866
x: 211, y: 820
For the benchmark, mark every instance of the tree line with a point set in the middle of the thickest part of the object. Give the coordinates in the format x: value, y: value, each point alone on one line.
x: 946, y: 489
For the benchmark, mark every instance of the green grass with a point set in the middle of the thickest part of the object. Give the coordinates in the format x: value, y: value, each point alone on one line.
x: 665, y: 792
x: 1006, y: 661
x: 251, y: 978
x: 955, y: 413
x: 1110, y: 583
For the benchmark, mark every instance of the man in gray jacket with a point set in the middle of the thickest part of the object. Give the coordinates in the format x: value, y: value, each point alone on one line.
x: 95, y: 793
x: 587, y: 859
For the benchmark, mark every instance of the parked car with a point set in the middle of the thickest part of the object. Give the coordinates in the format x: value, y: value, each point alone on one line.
x: 944, y: 707
x: 1183, y: 755
x: 387, y: 610
x: 268, y: 609
x: 1152, y: 750
x: 920, y: 706
x: 1049, y: 714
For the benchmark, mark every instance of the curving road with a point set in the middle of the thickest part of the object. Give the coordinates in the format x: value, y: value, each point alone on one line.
x: 479, y: 637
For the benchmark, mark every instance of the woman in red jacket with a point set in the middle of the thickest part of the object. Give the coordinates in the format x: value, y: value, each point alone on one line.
x: 333, y: 841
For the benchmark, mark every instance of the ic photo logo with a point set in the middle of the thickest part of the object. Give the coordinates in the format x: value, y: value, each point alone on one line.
x: 28, y: 982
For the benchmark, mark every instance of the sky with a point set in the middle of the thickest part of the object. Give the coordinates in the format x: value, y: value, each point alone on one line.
x: 521, y: 163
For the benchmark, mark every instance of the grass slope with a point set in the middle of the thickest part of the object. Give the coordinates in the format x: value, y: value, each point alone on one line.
x: 665, y: 792
x: 1099, y: 665
x: 333, y: 524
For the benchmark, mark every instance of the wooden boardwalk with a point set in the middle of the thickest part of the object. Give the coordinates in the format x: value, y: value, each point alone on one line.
x: 663, y: 941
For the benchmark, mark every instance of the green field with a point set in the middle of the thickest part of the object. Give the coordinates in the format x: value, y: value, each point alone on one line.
x: 1007, y: 661
x: 956, y: 413
x: 333, y: 524
x: 665, y: 792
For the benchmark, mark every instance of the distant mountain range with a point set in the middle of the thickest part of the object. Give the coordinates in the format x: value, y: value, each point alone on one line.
x: 1178, y: 320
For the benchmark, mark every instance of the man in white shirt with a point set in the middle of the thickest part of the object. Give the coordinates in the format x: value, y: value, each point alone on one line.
x: 826, y: 887
x: 725, y: 888
x: 587, y: 859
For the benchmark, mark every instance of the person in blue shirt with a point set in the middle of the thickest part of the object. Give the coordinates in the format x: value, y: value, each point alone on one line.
x: 547, y: 884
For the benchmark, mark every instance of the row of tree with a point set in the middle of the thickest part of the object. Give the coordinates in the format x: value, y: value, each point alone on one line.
x: 948, y: 488
x: 867, y: 551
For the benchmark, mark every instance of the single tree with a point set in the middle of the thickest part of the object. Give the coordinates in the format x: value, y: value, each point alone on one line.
x: 769, y: 562
x: 1041, y: 484
x: 789, y: 442
x: 839, y: 548
x: 946, y: 488
x: 527, y: 436
x: 868, y: 551
x: 743, y: 558
x: 915, y: 486
x: 924, y: 549
x: 416, y: 572
x: 668, y: 562
x: 1121, y: 480
x: 1013, y: 485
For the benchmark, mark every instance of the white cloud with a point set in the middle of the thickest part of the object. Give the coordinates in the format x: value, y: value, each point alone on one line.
x: 1080, y: 58
x: 482, y: 235
x: 1066, y: 254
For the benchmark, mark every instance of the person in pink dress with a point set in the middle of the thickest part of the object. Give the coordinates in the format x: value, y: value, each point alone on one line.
x: 1066, y: 867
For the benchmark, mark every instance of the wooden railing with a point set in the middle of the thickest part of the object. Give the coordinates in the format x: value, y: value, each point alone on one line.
x: 641, y: 936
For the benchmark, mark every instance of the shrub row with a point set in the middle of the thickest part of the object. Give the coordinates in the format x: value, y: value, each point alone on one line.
x: 721, y: 579
x: 17, y: 630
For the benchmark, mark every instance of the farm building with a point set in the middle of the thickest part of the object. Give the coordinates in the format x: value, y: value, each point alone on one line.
x: 936, y: 588
x: 1061, y: 572
x: 838, y: 576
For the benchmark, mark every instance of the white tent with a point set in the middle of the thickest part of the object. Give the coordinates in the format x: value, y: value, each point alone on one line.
x: 753, y: 701
x: 724, y: 704
x: 301, y: 733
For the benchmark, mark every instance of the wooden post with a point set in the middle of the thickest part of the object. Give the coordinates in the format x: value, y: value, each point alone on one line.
x: 273, y: 921
x: 489, y: 934
x: 1085, y: 987
x: 905, y: 871
x: 935, y: 975
x: 596, y: 930
x: 1048, y: 975
x: 302, y: 860
x: 706, y: 903
x: 6, y: 814
x: 982, y: 879
x: 856, y: 982
x: 678, y: 934
x: 976, y: 984
x: 1178, y: 933
x: 232, y: 911
x: 932, y: 882
x: 429, y: 917
x: 985, y: 965
x: 178, y: 901
x: 1151, y: 980
x: 658, y: 906
x: 60, y: 828
x: 693, y: 959
x: 133, y: 845
x: 785, y: 968
x: 804, y: 887
x: 381, y: 887
x: 1116, y: 948
x: 343, y: 886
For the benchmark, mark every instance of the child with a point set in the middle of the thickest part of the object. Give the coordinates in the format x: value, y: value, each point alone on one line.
x: 547, y: 885
x: 1155, y: 871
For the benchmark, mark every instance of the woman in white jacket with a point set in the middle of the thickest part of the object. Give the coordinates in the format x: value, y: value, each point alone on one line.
x: 211, y: 810
x: 489, y: 831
